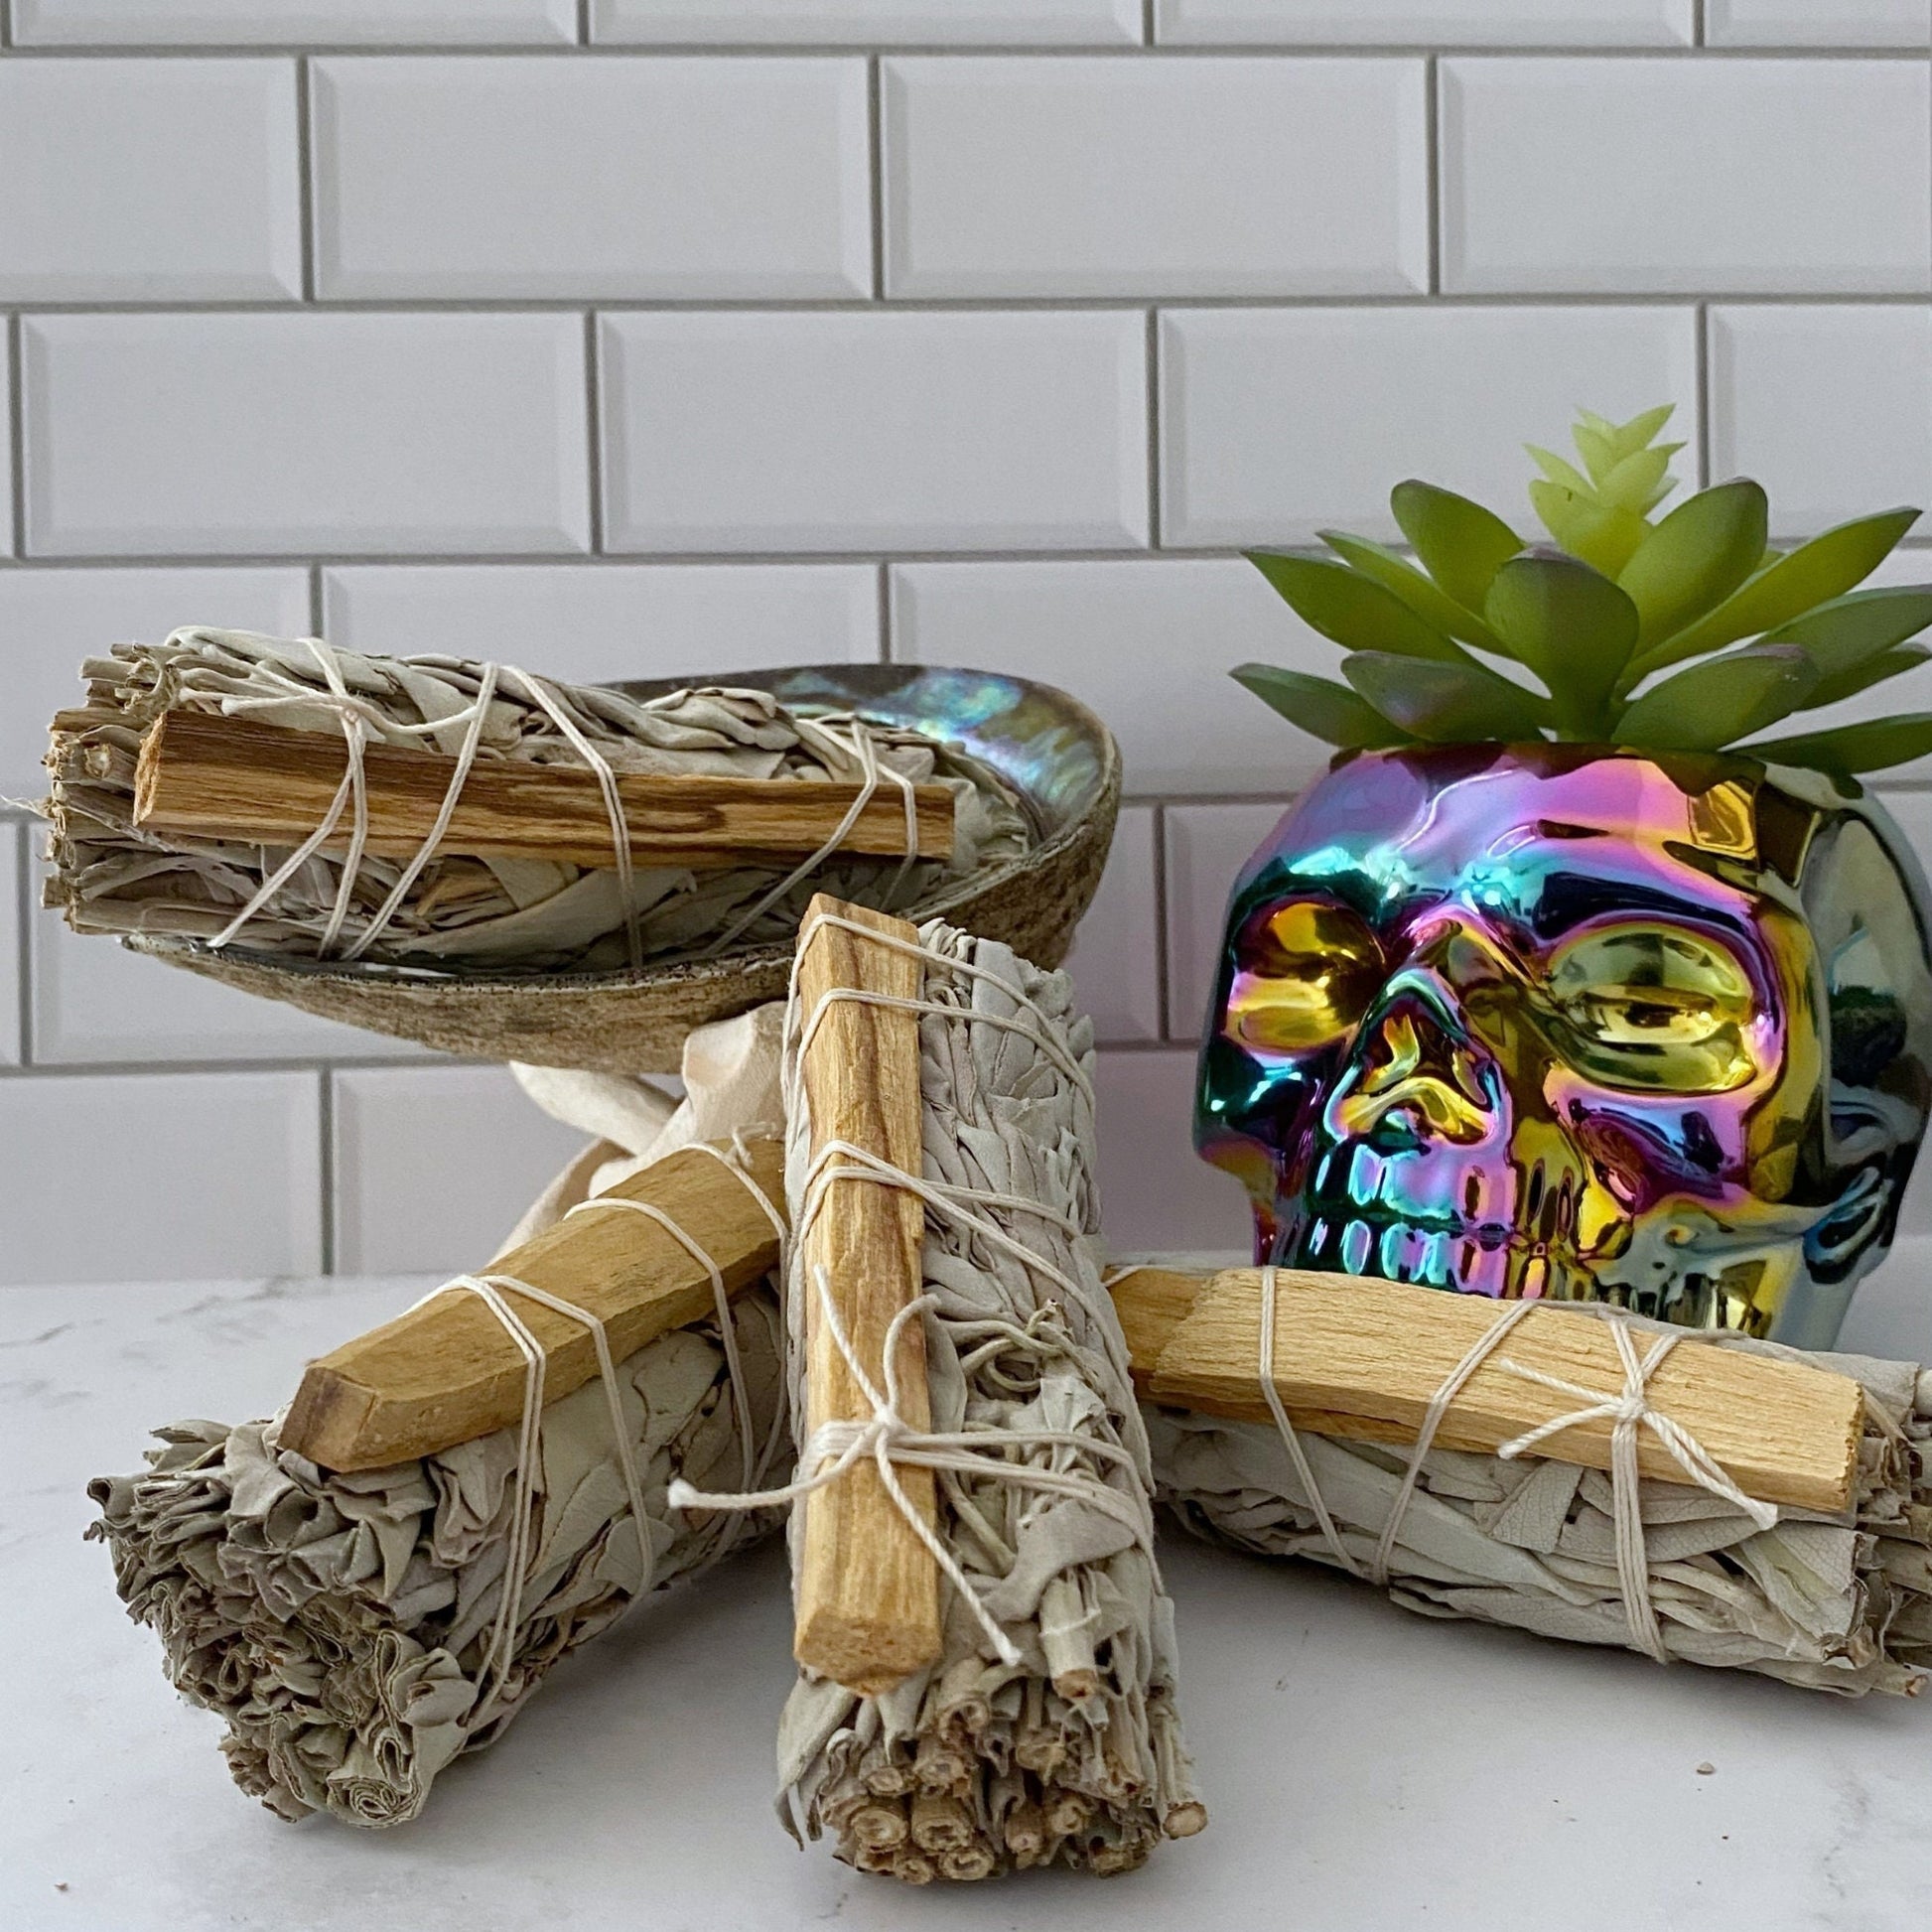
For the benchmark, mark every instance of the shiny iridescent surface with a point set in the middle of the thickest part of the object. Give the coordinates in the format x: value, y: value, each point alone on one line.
x: 1560, y: 1020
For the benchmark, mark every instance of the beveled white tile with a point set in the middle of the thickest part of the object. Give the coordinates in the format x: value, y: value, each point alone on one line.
x: 145, y: 1177
x: 274, y: 23
x: 1828, y: 405
x: 1445, y: 23
x: 889, y: 430
x: 1818, y: 23
x: 1155, y: 1190
x: 1116, y: 956
x: 1680, y: 176
x: 149, y: 181
x: 434, y: 1166
x: 51, y: 619
x: 93, y: 1001
x: 532, y: 177
x: 277, y: 434
x: 13, y: 862
x: 1146, y: 641
x: 860, y: 23
x: 1207, y: 845
x: 590, y: 621
x: 1277, y: 423
x: 1008, y: 176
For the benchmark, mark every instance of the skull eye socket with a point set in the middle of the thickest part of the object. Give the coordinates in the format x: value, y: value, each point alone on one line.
x: 1303, y: 975
x: 1657, y: 1008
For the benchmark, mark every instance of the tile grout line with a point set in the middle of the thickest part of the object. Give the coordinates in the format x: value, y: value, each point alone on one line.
x: 1696, y: 23
x: 305, y: 175
x: 593, y: 428
x: 1126, y: 302
x: 17, y: 430
x: 1432, y: 108
x: 1162, y: 937
x: 23, y: 950
x: 650, y: 560
x: 315, y: 615
x: 1701, y: 376
x: 885, y: 646
x: 876, y: 173
x: 1163, y: 50
x: 582, y: 23
x: 1149, y: 27
x: 326, y: 1163
x: 1152, y: 353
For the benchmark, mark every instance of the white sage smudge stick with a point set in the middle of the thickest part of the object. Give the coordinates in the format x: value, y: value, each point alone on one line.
x: 1047, y: 1732
x: 449, y: 911
x: 353, y: 1630
x: 1832, y: 1602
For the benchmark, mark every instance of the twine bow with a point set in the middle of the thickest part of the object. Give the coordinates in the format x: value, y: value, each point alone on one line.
x: 1628, y: 1410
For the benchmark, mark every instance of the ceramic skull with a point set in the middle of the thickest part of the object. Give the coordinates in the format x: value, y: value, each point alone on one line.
x: 1559, y: 1021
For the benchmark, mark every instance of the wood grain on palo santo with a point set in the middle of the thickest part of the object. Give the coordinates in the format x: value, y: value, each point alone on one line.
x: 201, y: 775
x: 1362, y: 1359
x: 446, y: 1371
x: 865, y: 1606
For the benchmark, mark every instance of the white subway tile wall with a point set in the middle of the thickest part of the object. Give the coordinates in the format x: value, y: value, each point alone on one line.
x: 648, y: 338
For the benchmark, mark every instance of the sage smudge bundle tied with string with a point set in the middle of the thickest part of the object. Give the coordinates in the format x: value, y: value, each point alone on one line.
x: 452, y: 912
x: 355, y: 1630
x: 1836, y: 1601
x: 1046, y: 1732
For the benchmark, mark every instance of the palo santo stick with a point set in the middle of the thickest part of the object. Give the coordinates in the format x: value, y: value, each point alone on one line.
x: 1152, y: 1304
x: 446, y: 1371
x: 1362, y: 1359
x: 866, y: 1611
x: 205, y: 775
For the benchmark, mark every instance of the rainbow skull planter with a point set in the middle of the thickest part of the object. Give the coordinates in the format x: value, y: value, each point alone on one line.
x: 1556, y: 1020
x: 1563, y: 981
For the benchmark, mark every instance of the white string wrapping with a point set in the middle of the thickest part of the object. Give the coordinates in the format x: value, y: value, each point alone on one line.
x: 356, y: 715
x: 885, y: 1437
x: 1628, y: 1410
x: 871, y: 772
x: 489, y: 1288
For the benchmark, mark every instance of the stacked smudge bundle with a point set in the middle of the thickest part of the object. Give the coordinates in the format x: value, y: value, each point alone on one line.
x: 485, y: 819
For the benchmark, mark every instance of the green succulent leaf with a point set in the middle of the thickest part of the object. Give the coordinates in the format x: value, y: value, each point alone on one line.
x: 1638, y: 431
x: 1875, y: 670
x: 1852, y: 747
x: 1320, y: 706
x: 1351, y: 610
x: 1423, y: 595
x: 1447, y: 704
x: 1461, y: 545
x: 1603, y: 535
x: 1709, y: 705
x: 1841, y: 634
x: 1597, y: 447
x: 1571, y: 626
x: 1640, y: 480
x: 1825, y: 567
x: 1565, y: 475
x: 1696, y: 557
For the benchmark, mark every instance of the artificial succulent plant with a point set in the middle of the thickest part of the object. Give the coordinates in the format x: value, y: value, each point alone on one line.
x: 1679, y: 632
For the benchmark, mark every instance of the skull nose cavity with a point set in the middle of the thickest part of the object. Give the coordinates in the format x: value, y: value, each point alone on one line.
x: 1416, y: 1071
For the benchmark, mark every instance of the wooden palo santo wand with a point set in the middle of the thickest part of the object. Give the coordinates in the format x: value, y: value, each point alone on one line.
x: 200, y: 774
x: 866, y: 1608
x: 1362, y: 1359
x: 446, y: 1371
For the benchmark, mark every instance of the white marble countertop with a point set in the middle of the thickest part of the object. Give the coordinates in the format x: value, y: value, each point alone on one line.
x: 1366, y: 1768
